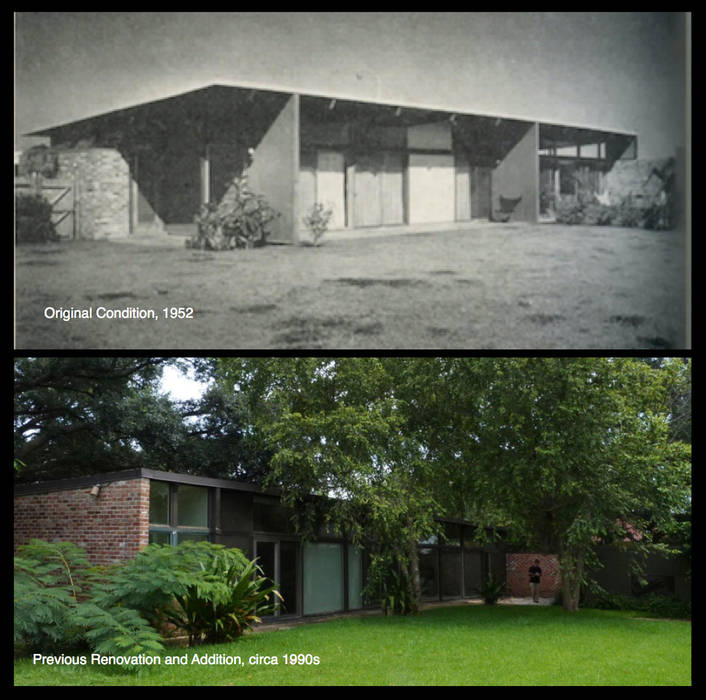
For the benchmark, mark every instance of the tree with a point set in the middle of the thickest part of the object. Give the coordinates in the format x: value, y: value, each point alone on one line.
x: 344, y: 457
x: 561, y: 452
x: 80, y: 415
x: 571, y: 452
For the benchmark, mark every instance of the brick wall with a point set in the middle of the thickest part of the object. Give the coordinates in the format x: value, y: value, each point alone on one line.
x: 111, y: 527
x: 102, y: 178
x: 518, y: 574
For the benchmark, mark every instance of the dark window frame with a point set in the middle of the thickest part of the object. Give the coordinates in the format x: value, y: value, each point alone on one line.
x: 172, y: 528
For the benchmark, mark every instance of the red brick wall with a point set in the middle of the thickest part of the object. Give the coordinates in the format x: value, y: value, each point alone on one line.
x: 111, y: 527
x: 518, y: 565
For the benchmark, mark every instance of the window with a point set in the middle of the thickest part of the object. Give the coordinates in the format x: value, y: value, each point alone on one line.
x: 178, y: 513
x: 323, y: 578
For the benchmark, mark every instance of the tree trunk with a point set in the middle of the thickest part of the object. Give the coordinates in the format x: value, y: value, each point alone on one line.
x: 414, y: 580
x: 571, y: 577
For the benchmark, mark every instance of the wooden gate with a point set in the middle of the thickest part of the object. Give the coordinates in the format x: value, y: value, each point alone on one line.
x: 61, y: 195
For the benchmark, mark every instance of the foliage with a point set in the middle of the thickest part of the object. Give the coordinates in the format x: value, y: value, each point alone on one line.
x: 241, y: 220
x: 628, y: 215
x: 492, y: 590
x: 597, y: 214
x: 39, y: 160
x: 561, y: 452
x: 342, y: 428
x: 317, y: 220
x: 33, y: 222
x: 388, y: 583
x: 655, y: 214
x: 656, y: 605
x: 87, y: 415
x: 53, y: 610
x: 204, y: 590
x: 573, y: 450
x: 569, y: 211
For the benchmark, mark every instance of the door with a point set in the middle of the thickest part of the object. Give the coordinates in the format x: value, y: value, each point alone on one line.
x: 278, y: 560
x: 378, y: 191
x: 367, y: 202
x: 431, y: 188
x: 463, y: 188
x: 480, y: 192
x: 392, y: 188
x: 330, y: 186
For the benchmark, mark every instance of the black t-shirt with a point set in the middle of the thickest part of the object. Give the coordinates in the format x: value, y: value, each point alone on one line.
x: 535, y: 572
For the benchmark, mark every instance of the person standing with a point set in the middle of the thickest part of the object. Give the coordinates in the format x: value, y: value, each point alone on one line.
x: 535, y: 575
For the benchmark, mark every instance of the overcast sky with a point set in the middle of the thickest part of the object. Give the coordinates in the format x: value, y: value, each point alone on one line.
x: 620, y: 71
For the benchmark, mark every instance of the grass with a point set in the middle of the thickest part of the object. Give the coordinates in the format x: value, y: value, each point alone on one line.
x: 459, y: 645
x: 491, y: 286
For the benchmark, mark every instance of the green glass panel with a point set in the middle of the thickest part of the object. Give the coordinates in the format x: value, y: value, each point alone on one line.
x: 159, y: 502
x: 193, y: 536
x: 355, y: 578
x: 192, y: 506
x: 159, y: 537
x: 323, y: 578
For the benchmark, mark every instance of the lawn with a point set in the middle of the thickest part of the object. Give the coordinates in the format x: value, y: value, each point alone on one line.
x: 459, y: 645
x: 491, y: 286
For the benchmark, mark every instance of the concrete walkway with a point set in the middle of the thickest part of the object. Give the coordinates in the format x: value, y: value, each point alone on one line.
x: 176, y: 238
x: 288, y: 624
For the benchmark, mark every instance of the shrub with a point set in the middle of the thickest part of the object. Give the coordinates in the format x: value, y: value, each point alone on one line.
x: 33, y: 222
x: 388, y: 584
x: 491, y: 590
x: 240, y: 221
x: 40, y: 161
x: 204, y: 590
x: 569, y: 212
x: 53, y: 583
x: 317, y: 221
x: 628, y: 215
x: 596, y: 214
x: 655, y: 605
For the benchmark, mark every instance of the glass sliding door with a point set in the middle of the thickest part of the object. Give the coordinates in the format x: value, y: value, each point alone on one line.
x: 279, y: 562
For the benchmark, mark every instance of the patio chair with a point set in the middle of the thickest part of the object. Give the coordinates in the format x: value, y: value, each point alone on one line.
x: 507, y: 207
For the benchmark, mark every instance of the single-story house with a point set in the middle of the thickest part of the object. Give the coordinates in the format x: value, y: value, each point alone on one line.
x: 114, y: 515
x: 150, y: 167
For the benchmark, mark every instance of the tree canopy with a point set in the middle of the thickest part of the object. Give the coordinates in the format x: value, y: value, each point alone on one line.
x: 560, y: 453
x: 88, y: 415
x: 563, y: 453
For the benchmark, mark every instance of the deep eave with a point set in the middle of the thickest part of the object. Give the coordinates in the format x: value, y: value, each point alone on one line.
x: 247, y: 87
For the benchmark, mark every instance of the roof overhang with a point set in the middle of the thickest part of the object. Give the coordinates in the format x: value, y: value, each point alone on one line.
x: 250, y: 87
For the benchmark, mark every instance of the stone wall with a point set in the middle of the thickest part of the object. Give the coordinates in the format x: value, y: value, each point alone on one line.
x: 639, y: 180
x: 102, y: 180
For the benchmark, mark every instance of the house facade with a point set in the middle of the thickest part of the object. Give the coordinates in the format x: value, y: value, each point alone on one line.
x: 373, y: 164
x: 114, y: 515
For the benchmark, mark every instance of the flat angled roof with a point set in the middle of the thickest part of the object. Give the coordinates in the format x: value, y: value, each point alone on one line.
x: 246, y: 85
x: 140, y: 473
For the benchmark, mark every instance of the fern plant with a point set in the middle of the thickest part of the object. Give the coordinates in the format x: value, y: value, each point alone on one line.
x: 204, y: 590
x: 53, y: 610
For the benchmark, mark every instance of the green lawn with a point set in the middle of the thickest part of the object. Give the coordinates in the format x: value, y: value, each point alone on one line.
x: 460, y: 645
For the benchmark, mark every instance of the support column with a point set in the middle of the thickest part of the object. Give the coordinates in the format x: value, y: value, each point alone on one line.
x: 517, y: 175
x: 205, y: 163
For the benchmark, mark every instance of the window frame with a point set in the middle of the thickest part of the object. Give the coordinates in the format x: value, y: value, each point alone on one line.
x: 172, y: 528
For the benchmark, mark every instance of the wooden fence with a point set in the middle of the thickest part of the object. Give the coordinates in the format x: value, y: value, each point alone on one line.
x: 62, y: 196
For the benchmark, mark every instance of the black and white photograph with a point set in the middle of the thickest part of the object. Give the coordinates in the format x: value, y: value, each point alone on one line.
x: 362, y: 180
